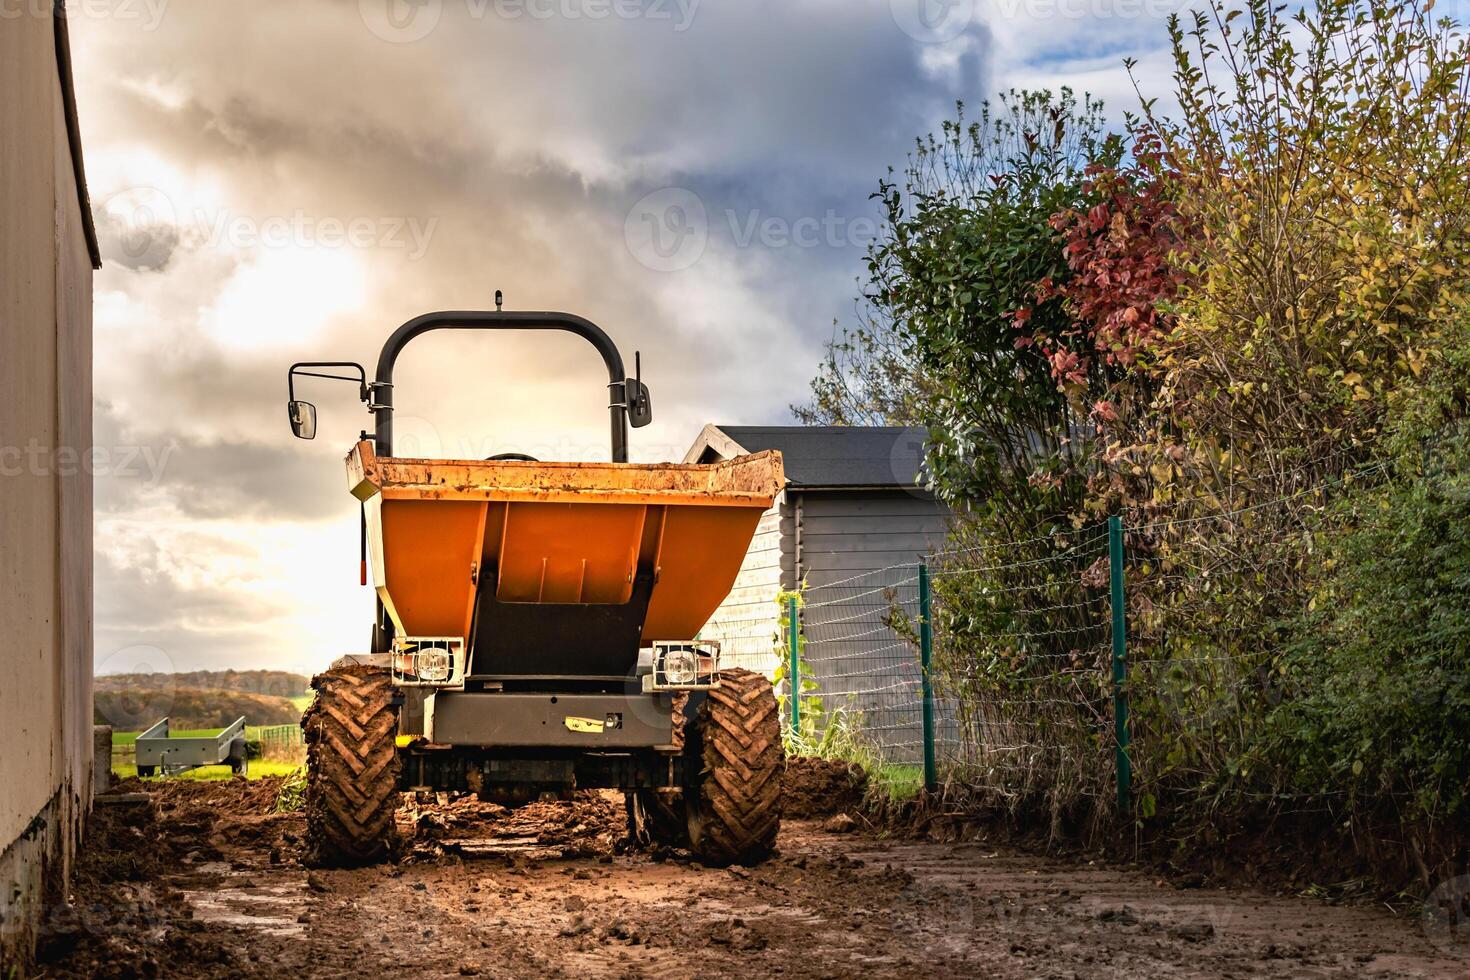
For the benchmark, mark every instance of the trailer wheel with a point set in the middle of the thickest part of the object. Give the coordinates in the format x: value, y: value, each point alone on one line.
x: 735, y: 809
x: 656, y: 820
x: 352, y: 767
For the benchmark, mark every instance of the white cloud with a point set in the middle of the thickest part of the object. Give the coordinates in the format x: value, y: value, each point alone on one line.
x: 518, y: 146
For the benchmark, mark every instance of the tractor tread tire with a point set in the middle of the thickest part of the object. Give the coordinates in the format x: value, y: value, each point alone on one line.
x: 352, y: 767
x: 737, y: 738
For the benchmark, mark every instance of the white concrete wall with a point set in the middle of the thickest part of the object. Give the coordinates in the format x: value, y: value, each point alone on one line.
x: 45, y: 489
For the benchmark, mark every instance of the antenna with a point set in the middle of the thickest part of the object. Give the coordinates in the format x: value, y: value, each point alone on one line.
x: 499, y: 298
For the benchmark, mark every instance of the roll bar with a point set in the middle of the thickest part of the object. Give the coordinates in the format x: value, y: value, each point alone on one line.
x: 623, y: 392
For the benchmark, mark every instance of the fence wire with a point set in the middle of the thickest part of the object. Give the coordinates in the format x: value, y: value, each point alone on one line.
x: 860, y: 637
x: 1028, y: 708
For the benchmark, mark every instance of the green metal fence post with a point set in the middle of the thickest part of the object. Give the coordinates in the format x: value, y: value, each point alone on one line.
x: 793, y: 672
x: 1120, y: 664
x: 926, y: 654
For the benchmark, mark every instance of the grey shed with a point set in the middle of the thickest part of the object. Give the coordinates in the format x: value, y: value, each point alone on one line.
x: 851, y: 526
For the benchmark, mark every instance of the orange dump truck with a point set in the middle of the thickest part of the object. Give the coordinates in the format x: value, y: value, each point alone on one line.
x: 536, y: 630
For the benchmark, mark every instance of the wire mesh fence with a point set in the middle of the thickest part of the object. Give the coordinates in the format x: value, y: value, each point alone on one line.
x: 1024, y: 647
x: 861, y: 649
x: 1085, y: 672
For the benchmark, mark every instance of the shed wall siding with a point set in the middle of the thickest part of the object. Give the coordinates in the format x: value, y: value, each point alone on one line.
x: 858, y: 556
x: 45, y: 489
x: 843, y: 533
x: 746, y: 624
x: 818, y: 537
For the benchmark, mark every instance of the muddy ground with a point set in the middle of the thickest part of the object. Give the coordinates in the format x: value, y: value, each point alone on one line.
x: 204, y: 881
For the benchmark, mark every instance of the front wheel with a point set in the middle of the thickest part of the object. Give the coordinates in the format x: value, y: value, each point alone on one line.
x: 352, y: 766
x: 734, y: 809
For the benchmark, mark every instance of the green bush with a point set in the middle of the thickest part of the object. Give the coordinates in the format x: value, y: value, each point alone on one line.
x: 1378, y: 671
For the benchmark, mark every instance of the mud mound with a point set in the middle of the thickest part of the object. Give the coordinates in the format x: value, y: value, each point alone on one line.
x: 591, y: 822
x: 237, y: 795
x: 821, y: 787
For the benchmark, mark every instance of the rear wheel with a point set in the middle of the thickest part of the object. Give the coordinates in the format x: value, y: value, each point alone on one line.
x: 352, y: 766
x: 734, y: 810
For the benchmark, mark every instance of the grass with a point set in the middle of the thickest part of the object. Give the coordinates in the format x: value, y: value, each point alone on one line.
x: 896, y: 782
x: 842, y: 739
x: 259, y: 768
x: 302, y: 701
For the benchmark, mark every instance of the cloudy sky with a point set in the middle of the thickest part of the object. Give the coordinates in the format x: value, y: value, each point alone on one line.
x: 276, y: 181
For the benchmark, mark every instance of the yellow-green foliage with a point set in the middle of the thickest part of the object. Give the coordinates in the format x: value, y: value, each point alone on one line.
x: 1324, y: 168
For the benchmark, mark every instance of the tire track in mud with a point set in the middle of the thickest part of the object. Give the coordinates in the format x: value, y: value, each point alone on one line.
x: 548, y: 890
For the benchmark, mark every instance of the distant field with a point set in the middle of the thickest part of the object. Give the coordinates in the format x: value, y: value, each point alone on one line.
x: 302, y: 701
x: 191, y: 707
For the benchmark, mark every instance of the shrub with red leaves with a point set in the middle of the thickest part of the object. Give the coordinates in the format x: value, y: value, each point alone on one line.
x: 1124, y: 253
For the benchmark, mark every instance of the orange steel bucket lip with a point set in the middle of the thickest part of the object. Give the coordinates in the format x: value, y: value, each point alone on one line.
x: 746, y: 481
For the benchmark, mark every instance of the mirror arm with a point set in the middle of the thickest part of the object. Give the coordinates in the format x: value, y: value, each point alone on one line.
x: 300, y: 368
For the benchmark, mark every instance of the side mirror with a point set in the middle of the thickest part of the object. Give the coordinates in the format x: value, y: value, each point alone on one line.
x: 303, y: 419
x: 640, y: 409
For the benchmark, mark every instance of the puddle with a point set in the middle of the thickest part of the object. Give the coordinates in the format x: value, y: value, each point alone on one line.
x: 478, y: 847
x: 269, y: 909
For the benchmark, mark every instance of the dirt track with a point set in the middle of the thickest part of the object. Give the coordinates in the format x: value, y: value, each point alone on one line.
x: 213, y: 888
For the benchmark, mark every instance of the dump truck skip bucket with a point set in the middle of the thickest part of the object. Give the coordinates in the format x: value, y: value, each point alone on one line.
x: 444, y: 533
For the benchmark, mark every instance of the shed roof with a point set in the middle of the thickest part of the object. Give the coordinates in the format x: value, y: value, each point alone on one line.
x: 74, y: 130
x: 837, y: 456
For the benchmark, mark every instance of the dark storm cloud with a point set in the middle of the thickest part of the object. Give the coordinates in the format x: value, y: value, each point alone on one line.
x: 241, y: 479
x: 521, y: 148
x: 146, y: 621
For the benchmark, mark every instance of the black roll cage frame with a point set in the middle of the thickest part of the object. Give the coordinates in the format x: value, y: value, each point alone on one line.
x: 378, y: 394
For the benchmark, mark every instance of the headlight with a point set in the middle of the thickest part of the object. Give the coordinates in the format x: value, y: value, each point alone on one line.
x: 428, y: 661
x: 433, y: 665
x: 680, y: 667
x: 683, y: 666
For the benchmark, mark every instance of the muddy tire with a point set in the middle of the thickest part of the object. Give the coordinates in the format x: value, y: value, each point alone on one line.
x: 656, y: 819
x: 735, y: 806
x: 352, y: 767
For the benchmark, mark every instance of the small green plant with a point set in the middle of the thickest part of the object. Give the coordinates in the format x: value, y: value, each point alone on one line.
x: 809, y: 701
x: 293, y: 792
